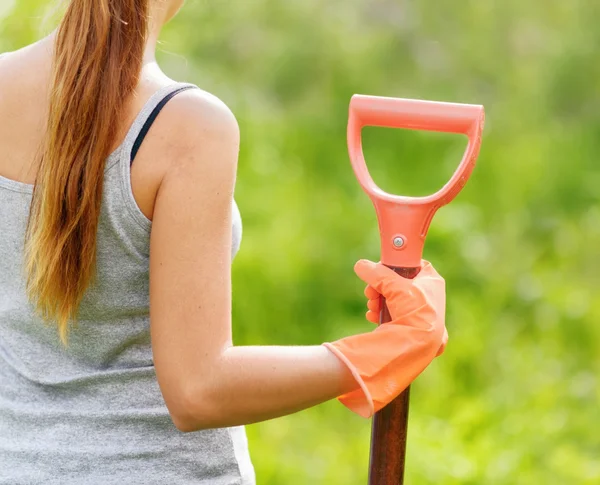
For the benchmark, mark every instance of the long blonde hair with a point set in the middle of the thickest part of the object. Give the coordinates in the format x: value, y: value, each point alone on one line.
x: 97, y: 62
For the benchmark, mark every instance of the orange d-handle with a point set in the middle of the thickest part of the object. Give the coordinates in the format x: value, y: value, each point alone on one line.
x: 403, y: 225
x: 404, y: 221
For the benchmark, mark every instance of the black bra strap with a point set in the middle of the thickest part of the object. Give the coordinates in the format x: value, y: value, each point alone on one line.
x: 148, y: 124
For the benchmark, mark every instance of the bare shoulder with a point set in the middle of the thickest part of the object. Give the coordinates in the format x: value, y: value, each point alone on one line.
x: 196, y: 117
x: 196, y: 131
x: 205, y: 108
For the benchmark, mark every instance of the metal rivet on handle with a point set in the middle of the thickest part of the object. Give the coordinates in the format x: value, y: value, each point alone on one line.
x: 398, y: 242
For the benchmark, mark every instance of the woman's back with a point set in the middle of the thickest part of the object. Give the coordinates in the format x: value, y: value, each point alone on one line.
x: 96, y: 401
x: 149, y: 388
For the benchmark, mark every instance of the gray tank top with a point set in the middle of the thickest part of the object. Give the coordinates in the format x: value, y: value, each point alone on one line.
x: 93, y: 414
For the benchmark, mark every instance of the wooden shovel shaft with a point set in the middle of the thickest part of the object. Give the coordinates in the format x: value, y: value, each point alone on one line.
x: 389, y: 430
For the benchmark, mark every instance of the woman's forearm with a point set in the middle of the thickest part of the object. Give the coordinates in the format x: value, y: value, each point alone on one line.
x: 251, y: 384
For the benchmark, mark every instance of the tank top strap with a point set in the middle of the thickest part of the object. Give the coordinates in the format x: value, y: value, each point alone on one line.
x: 147, y: 116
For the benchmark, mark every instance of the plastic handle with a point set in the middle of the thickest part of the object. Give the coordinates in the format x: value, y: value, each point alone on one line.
x: 404, y: 221
x: 414, y: 114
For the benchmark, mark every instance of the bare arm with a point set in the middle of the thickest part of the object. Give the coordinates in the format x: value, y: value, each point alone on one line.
x: 205, y: 380
x: 253, y: 384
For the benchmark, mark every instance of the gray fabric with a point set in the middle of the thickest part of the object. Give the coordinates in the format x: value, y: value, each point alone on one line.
x: 94, y: 414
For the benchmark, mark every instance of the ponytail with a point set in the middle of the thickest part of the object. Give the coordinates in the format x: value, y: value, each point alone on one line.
x: 97, y: 62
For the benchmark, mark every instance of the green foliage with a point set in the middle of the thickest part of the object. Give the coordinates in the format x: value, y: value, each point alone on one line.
x: 514, y: 400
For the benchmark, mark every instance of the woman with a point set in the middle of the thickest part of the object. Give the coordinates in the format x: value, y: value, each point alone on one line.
x: 116, y: 359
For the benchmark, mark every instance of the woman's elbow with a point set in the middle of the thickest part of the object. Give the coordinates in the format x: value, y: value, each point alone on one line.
x: 199, y: 409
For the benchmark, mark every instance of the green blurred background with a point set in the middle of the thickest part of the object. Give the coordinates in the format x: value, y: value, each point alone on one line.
x: 515, y: 398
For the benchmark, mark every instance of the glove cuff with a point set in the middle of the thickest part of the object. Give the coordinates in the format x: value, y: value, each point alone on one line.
x: 359, y: 401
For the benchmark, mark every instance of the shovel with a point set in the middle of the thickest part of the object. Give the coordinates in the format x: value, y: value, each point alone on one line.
x: 403, y: 224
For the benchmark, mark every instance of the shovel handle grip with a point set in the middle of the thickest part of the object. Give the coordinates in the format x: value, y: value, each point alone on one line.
x: 390, y: 425
x: 414, y: 114
x: 404, y: 221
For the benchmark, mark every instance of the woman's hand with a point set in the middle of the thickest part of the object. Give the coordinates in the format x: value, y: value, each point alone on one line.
x: 374, y: 307
x: 385, y: 361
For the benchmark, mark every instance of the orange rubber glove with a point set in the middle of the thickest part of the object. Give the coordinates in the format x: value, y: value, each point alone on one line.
x: 385, y: 361
x: 374, y: 311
